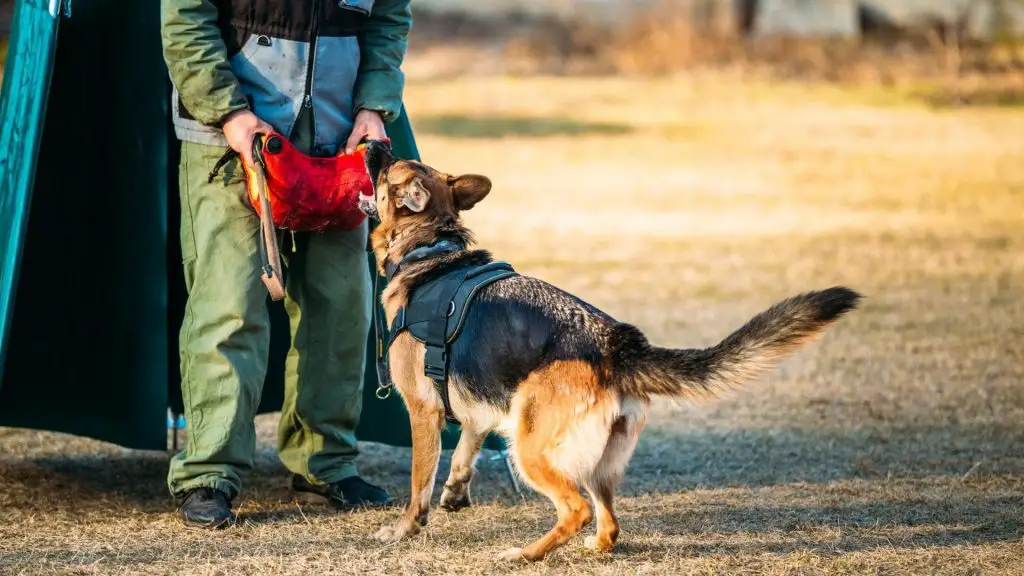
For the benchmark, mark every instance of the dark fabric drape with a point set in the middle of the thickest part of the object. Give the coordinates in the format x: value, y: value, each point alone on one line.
x: 86, y: 352
x: 91, y: 347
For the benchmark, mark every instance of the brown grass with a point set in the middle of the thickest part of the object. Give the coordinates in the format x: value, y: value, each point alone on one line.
x: 893, y: 446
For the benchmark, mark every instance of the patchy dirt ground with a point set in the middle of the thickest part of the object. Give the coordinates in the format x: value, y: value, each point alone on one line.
x: 893, y: 446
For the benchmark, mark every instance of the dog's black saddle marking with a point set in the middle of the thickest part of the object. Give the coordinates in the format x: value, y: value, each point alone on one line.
x: 434, y: 315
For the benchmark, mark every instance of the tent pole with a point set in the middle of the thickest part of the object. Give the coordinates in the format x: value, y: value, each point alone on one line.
x: 503, y: 455
x: 175, y: 418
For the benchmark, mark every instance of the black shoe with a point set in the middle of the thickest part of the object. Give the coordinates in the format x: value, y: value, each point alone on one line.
x: 206, y: 508
x: 352, y: 492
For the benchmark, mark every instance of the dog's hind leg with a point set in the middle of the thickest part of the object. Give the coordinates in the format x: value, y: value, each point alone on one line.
x: 456, y: 490
x: 563, y: 417
x: 426, y: 451
x: 607, y: 524
x: 625, y: 432
x: 573, y: 511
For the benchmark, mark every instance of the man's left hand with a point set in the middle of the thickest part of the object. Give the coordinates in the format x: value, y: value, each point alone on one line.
x: 368, y: 124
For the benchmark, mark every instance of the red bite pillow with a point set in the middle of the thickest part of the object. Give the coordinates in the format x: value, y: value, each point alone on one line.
x: 310, y: 194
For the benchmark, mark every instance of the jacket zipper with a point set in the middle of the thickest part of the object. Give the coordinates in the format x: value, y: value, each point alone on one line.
x: 307, y: 100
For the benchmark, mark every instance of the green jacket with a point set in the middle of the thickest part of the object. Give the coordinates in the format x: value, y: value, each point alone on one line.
x: 334, y: 57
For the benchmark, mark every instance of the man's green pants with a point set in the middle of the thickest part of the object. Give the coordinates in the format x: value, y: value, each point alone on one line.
x: 225, y: 336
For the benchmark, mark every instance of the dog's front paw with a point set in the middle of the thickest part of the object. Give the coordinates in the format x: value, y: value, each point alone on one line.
x: 511, y: 555
x: 389, y: 534
x: 455, y: 499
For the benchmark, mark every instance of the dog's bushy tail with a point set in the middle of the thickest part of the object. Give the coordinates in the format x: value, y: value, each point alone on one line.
x: 642, y: 370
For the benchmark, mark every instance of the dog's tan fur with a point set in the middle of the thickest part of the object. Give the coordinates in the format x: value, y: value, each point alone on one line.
x: 567, y: 427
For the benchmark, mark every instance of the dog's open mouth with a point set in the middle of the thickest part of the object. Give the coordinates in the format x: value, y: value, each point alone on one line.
x: 368, y: 205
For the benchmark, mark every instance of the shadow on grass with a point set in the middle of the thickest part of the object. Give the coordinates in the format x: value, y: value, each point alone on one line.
x: 462, y: 126
x: 673, y: 460
x: 929, y: 512
x: 845, y: 544
x: 134, y: 481
x: 137, y: 481
x: 858, y: 527
x: 667, y: 461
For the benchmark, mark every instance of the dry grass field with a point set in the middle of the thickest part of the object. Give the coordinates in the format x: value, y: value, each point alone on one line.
x: 684, y: 205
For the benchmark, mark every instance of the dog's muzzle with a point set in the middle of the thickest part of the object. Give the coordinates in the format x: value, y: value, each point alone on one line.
x: 378, y: 158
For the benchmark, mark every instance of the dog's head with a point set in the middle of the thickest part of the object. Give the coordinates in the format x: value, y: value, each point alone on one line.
x: 404, y: 189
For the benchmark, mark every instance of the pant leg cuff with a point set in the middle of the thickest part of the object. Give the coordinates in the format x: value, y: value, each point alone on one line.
x: 221, y: 484
x: 334, y: 474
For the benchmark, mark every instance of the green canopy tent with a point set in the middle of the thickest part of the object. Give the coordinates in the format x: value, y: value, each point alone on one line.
x: 91, y: 290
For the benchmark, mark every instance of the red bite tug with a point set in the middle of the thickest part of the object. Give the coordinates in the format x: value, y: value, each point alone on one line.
x: 306, y: 193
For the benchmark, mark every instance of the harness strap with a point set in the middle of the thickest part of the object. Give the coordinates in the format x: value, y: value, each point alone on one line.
x: 435, y: 360
x: 435, y: 364
x: 383, y: 375
x: 434, y: 308
x: 384, y: 383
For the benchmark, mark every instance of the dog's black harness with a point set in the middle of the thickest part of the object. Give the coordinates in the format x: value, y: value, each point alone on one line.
x: 434, y: 314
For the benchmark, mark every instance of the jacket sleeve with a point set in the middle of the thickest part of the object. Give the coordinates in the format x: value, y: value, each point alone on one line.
x: 382, y: 44
x: 197, y: 59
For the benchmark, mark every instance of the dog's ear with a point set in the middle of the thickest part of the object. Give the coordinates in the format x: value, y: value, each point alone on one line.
x: 468, y: 189
x: 415, y: 197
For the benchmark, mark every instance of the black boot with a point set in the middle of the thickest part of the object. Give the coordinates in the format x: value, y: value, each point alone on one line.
x: 206, y: 508
x: 352, y: 492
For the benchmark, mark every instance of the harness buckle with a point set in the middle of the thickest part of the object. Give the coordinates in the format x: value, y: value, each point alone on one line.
x: 435, y: 363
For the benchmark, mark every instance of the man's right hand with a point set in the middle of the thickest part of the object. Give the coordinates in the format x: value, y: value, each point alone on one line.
x: 240, y: 128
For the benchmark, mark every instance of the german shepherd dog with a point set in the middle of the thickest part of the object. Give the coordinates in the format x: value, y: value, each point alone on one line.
x: 566, y: 384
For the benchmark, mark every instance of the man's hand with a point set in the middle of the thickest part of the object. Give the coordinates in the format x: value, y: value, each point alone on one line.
x: 240, y: 128
x: 368, y: 123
